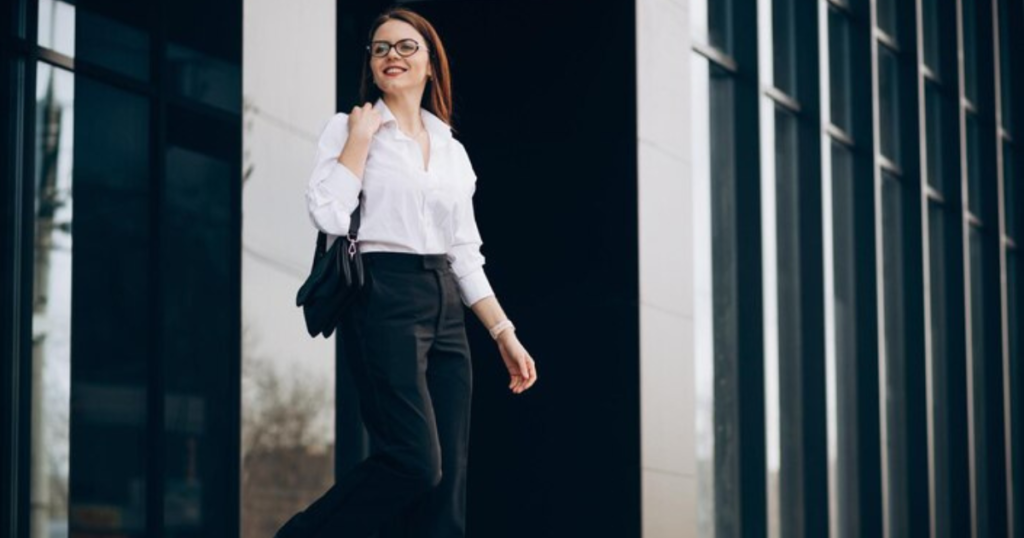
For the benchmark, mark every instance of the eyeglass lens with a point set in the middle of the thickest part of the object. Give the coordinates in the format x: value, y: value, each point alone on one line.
x: 404, y: 47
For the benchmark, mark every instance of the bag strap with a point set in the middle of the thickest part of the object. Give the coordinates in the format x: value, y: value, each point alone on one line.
x: 353, y: 227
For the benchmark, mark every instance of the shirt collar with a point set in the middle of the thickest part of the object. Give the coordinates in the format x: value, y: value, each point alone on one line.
x: 439, y: 130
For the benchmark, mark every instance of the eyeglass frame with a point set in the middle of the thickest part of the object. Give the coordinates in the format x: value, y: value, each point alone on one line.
x: 369, y: 48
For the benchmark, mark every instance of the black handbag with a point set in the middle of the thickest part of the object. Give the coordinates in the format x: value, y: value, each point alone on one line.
x: 334, y: 280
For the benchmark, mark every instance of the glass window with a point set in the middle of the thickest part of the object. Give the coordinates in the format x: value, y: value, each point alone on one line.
x: 887, y: 17
x: 895, y: 409
x: 204, y: 64
x: 783, y: 365
x: 889, y: 105
x: 841, y: 375
x: 973, y: 167
x: 839, y: 68
x: 970, y: 32
x: 56, y: 28
x: 1006, y: 66
x: 1010, y: 195
x: 197, y: 297
x: 720, y: 24
x: 725, y: 292
x: 51, y: 300
x: 784, y: 46
x: 933, y: 135
x: 1016, y: 432
x: 115, y: 36
x: 111, y: 302
x: 930, y: 22
x: 940, y: 330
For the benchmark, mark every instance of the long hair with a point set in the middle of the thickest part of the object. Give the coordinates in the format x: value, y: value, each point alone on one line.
x: 437, y: 96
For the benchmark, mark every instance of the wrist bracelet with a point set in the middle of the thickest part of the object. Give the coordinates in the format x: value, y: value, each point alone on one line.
x: 499, y: 327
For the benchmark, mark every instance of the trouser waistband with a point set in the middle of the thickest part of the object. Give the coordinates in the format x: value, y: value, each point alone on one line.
x: 405, y: 261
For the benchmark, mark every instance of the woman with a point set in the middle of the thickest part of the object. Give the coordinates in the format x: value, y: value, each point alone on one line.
x: 405, y: 335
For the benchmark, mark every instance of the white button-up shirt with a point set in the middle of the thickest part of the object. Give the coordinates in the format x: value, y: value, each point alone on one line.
x: 405, y: 207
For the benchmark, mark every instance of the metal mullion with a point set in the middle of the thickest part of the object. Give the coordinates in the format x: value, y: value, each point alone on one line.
x: 962, y: 110
x: 22, y: 129
x: 717, y: 56
x: 934, y: 195
x: 864, y: 59
x: 928, y: 195
x: 1004, y: 327
x: 783, y: 100
x: 839, y: 135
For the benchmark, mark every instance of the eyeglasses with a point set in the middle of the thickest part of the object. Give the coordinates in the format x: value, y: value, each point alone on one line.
x: 404, y: 47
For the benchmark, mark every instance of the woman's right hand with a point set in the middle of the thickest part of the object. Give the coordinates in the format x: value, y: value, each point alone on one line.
x: 363, y: 121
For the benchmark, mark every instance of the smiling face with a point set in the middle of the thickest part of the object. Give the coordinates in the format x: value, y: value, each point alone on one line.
x: 393, y: 72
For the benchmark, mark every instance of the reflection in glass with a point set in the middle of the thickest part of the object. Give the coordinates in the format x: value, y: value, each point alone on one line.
x: 57, y: 26
x: 202, y: 77
x: 782, y: 365
x: 111, y: 305
x: 115, y: 39
x: 841, y: 370
x: 196, y: 297
x: 895, y: 412
x: 933, y: 134
x: 888, y: 104
x: 839, y: 68
x: 51, y: 301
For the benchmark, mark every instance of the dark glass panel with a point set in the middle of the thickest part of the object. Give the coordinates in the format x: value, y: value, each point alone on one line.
x: 112, y: 303
x: 930, y: 22
x: 970, y: 50
x: 115, y: 36
x: 1010, y: 195
x: 720, y: 24
x: 973, y: 166
x: 725, y: 292
x: 839, y: 68
x: 203, y: 54
x: 1006, y: 66
x: 782, y: 375
x: 889, y: 104
x: 895, y: 408
x: 784, y: 46
x: 933, y: 135
x: 887, y: 17
x: 842, y: 458
x: 198, y: 287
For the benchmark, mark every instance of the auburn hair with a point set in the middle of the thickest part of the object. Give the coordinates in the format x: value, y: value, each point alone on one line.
x: 437, y: 97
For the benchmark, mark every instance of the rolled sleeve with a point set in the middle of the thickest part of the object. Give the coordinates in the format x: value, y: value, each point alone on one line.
x: 465, y: 256
x: 333, y: 190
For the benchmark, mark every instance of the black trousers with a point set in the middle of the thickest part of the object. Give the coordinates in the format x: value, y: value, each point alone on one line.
x: 405, y: 339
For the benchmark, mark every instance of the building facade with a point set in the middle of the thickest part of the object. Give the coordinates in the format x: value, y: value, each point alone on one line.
x: 765, y: 253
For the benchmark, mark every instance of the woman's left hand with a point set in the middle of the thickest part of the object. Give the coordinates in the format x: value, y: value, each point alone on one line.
x: 521, y: 367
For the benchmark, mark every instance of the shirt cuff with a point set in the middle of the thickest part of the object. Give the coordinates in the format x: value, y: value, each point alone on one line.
x: 474, y: 286
x: 341, y: 185
x: 333, y: 198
